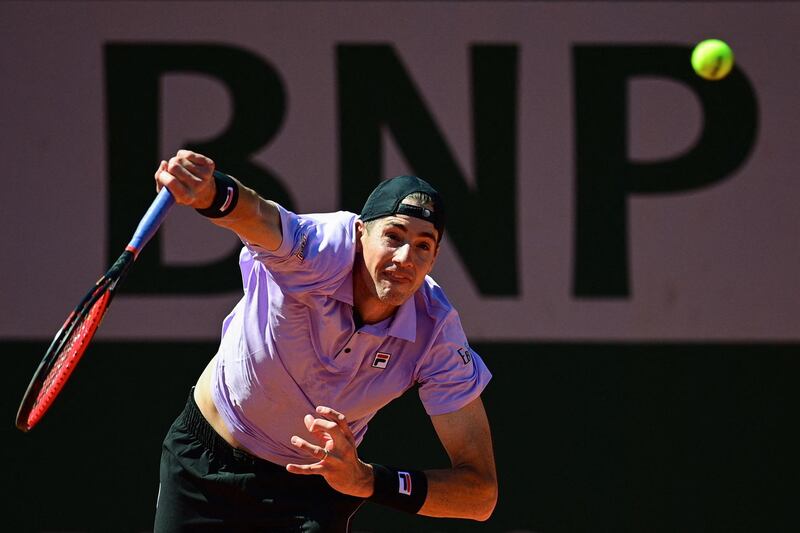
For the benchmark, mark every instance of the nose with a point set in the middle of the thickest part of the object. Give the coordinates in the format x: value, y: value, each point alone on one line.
x: 402, y: 255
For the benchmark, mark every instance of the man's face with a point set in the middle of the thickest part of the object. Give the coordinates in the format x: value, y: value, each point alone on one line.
x: 398, y: 251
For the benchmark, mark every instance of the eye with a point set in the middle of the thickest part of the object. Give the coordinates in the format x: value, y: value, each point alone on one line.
x: 424, y: 246
x: 392, y: 236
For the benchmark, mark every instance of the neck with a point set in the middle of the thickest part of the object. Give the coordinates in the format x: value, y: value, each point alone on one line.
x: 366, y: 304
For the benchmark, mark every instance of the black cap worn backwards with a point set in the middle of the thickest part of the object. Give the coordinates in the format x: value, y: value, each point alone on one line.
x: 387, y: 200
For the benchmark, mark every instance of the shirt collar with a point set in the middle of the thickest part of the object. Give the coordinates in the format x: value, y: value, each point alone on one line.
x: 344, y: 293
x: 402, y: 325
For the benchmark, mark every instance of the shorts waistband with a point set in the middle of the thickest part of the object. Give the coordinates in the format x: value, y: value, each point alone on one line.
x: 197, y: 424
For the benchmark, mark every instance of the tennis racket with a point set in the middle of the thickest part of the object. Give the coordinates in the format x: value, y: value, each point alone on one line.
x: 74, y: 337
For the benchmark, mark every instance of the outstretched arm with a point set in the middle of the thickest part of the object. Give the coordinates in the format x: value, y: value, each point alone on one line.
x: 469, y: 488
x: 189, y: 177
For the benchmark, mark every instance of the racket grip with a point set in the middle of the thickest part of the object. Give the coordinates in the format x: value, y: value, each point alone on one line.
x: 151, y: 221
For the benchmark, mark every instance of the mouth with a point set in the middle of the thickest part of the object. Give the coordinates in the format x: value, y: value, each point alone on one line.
x: 397, y: 277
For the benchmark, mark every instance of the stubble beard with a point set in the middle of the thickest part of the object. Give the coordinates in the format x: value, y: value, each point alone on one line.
x: 390, y: 295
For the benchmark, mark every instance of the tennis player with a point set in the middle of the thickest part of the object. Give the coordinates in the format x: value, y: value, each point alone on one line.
x: 338, y: 318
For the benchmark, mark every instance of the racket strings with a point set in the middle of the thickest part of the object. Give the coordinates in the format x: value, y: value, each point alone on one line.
x: 70, y: 353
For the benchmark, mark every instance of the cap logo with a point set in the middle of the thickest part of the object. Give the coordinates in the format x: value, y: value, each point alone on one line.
x: 415, y: 211
x: 387, y: 199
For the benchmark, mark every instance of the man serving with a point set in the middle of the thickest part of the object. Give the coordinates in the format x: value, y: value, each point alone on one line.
x: 338, y: 318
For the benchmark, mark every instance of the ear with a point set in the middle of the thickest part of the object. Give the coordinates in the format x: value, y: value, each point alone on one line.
x: 360, y: 232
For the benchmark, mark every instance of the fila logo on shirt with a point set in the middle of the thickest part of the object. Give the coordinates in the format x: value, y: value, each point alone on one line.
x: 381, y: 360
x: 465, y: 354
x: 404, y: 483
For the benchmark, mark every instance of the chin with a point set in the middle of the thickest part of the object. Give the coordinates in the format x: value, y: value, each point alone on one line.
x: 393, y: 296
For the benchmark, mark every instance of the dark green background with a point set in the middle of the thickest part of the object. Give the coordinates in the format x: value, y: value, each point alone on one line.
x: 588, y: 437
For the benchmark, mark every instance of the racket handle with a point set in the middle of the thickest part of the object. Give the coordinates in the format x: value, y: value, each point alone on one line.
x: 151, y: 221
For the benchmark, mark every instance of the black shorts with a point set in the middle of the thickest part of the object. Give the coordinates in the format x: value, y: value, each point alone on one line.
x: 209, y: 486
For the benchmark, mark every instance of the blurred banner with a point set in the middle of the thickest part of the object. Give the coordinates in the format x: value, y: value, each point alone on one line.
x: 598, y: 188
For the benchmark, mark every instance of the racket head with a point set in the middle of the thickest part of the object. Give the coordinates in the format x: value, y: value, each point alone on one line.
x: 63, y: 355
x: 69, y: 345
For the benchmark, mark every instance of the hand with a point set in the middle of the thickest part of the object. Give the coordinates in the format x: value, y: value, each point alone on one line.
x: 189, y: 176
x: 338, y: 460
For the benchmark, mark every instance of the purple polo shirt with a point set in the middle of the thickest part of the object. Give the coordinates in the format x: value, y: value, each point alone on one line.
x: 291, y: 344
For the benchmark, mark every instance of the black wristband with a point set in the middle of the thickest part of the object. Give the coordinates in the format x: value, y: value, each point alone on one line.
x: 225, y: 198
x: 399, y: 488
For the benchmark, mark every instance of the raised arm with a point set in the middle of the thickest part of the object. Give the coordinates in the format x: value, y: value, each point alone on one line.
x: 189, y: 177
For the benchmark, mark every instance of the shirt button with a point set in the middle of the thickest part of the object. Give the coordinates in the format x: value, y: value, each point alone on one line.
x: 347, y: 350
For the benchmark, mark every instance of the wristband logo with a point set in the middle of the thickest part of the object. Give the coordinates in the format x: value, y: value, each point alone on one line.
x: 404, y: 483
x: 228, y: 200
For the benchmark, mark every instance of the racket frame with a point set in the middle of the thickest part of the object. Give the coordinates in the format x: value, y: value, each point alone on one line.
x: 107, y: 284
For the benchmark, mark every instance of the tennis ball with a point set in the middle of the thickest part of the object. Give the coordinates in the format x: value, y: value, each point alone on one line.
x: 712, y: 59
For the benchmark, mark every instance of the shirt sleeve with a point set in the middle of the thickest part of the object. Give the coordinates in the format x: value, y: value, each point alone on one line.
x: 315, y: 254
x: 451, y: 374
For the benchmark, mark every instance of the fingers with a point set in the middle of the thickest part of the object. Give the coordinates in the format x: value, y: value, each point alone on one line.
x: 315, y: 425
x: 335, y: 456
x: 161, y: 168
x: 318, y: 452
x: 335, y: 416
x: 306, y: 470
x: 195, y: 158
x: 179, y: 190
x: 333, y: 421
x: 185, y: 169
x: 195, y: 165
x: 189, y: 177
x: 328, y: 431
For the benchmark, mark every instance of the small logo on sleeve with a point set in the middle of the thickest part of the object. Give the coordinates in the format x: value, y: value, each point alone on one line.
x: 301, y: 253
x: 404, y: 479
x: 465, y: 354
x: 381, y: 360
